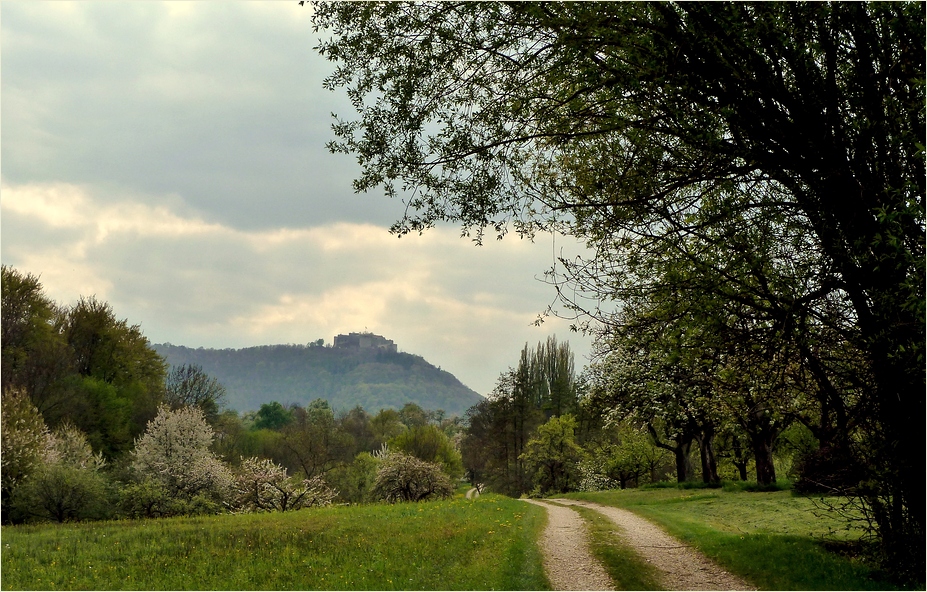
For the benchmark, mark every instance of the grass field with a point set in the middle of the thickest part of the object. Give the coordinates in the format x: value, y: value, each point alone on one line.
x: 772, y: 539
x: 484, y: 544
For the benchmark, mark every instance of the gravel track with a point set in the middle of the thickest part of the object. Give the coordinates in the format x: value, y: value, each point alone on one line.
x: 570, y: 565
x: 568, y: 562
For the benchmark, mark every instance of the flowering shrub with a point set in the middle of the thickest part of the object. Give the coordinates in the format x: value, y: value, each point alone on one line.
x: 263, y: 485
x: 23, y: 439
x: 68, y: 485
x: 592, y: 476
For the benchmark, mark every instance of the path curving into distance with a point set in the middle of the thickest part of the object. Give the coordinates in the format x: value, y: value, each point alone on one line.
x: 682, y: 567
x: 568, y: 561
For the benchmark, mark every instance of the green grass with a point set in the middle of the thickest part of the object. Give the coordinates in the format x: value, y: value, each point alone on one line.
x: 772, y: 539
x: 627, y: 569
x: 488, y: 543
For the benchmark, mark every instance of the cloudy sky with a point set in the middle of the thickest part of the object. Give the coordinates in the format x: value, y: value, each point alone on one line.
x: 170, y: 159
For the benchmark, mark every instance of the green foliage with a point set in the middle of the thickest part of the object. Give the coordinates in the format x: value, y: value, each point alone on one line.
x: 430, y: 444
x: 405, y: 478
x: 354, y: 482
x: 554, y: 456
x: 79, y: 364
x: 345, y: 378
x: 67, y: 485
x: 485, y: 544
x: 500, y: 427
x: 63, y: 493
x: 749, y: 178
x: 272, y: 416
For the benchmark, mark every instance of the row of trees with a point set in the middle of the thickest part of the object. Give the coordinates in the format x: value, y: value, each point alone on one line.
x: 620, y: 425
x: 749, y: 177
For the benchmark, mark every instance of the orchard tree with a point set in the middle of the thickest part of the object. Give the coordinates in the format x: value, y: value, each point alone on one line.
x: 615, y: 121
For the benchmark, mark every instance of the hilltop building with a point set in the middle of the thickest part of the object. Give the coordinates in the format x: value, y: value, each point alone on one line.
x: 359, y: 341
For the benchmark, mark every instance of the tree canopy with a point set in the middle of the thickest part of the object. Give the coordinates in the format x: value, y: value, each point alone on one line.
x: 766, y: 157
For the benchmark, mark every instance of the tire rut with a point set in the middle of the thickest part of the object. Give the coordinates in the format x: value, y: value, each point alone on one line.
x: 568, y: 561
x: 682, y: 567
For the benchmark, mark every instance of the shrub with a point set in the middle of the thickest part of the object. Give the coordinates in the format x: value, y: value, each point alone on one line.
x: 23, y: 440
x: 263, y: 485
x: 430, y: 444
x: 404, y: 478
x: 68, y: 486
x: 355, y: 482
x: 63, y: 493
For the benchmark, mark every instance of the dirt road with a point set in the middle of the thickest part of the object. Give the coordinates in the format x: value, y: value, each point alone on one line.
x: 571, y: 566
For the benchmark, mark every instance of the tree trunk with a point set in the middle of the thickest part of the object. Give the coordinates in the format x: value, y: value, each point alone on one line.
x: 706, y: 451
x: 741, y: 469
x: 762, y: 451
x: 681, y: 446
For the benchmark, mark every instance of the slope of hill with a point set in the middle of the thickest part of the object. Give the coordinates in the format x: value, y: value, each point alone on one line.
x: 344, y: 377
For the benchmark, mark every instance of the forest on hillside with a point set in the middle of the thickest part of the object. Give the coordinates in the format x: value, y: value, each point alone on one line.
x: 346, y: 378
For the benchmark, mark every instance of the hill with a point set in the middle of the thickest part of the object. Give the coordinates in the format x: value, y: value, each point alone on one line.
x: 372, y: 378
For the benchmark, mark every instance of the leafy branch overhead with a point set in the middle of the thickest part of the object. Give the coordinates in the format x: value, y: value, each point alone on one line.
x: 752, y: 174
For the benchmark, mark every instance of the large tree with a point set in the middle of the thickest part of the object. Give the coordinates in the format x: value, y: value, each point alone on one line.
x: 611, y: 119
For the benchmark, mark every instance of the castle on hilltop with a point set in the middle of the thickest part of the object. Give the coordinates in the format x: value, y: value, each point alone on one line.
x: 359, y: 341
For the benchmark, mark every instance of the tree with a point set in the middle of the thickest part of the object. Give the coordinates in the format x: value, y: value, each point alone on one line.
x: 35, y: 357
x: 272, y: 416
x: 555, y: 456
x: 404, y: 478
x: 430, y: 444
x: 120, y: 378
x: 188, y: 384
x: 174, y: 452
x: 312, y: 441
x: 624, y: 119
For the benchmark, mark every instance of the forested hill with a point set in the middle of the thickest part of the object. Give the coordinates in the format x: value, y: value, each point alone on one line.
x: 345, y: 378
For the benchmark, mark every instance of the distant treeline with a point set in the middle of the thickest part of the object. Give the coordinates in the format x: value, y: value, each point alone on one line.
x: 346, y: 378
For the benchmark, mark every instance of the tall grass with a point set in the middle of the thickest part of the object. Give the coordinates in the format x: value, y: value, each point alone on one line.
x: 773, y: 539
x: 488, y: 543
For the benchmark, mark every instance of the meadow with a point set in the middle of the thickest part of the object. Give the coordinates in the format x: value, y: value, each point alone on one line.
x: 487, y: 543
x: 772, y: 539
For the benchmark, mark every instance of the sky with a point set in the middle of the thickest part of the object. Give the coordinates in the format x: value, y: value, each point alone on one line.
x: 169, y: 158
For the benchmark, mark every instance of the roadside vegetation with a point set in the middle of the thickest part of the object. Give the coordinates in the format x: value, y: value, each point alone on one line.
x: 773, y: 539
x: 483, y: 544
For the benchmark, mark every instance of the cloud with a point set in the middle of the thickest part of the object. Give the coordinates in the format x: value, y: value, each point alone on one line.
x: 220, y: 102
x: 199, y: 283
